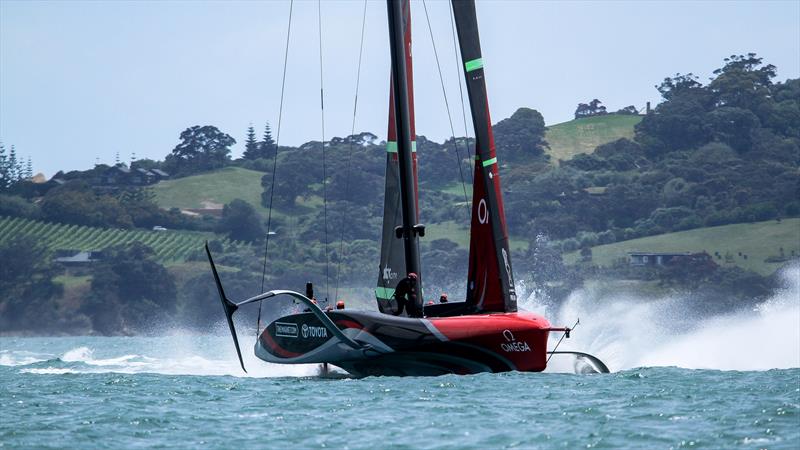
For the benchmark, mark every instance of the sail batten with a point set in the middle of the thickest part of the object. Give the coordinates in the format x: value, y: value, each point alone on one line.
x: 490, y: 280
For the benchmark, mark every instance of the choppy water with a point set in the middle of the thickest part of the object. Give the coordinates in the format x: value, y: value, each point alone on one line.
x: 179, y: 392
x: 726, y: 382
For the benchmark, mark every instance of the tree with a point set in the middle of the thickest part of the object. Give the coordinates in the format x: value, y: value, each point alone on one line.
x: 680, y: 84
x: 130, y: 291
x: 5, y: 174
x: 582, y: 110
x: 26, y: 287
x: 13, y: 166
x: 201, y: 148
x: 733, y: 126
x: 292, y: 181
x: 267, y: 144
x: 743, y: 82
x: 251, y: 146
x: 521, y: 136
x: 593, y: 108
x: 596, y: 108
x: 76, y: 203
x: 628, y: 111
x: 146, y: 163
x: 241, y: 222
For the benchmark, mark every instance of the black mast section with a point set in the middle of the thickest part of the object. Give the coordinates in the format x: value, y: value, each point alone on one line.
x: 403, y: 126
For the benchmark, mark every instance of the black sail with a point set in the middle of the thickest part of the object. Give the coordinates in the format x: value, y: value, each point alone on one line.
x: 392, y: 263
x: 490, y: 281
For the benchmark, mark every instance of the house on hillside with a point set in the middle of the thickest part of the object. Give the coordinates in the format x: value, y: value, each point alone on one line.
x: 142, y: 177
x: 77, y: 258
x: 116, y: 175
x: 159, y: 174
x: 666, y: 258
x: 596, y: 191
x: 121, y: 175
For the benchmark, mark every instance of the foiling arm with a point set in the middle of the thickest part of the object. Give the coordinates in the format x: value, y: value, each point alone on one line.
x: 227, y: 306
x: 230, y: 307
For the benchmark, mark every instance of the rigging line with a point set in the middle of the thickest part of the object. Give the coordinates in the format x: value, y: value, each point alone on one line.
x: 350, y: 153
x: 460, y: 89
x: 447, y: 107
x: 275, y: 157
x: 324, y: 168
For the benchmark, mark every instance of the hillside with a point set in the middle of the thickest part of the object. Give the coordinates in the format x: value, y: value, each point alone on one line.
x: 169, y: 246
x: 758, y: 241
x: 567, y: 139
x: 211, y: 190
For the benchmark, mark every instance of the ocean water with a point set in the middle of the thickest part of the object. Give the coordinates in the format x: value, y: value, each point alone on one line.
x: 729, y: 381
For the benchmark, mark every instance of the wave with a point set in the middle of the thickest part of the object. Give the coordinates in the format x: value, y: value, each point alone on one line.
x: 20, y: 358
x: 174, y: 358
x: 628, y: 331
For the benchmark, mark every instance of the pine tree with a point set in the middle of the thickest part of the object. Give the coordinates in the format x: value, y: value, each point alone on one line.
x: 29, y: 169
x: 13, y: 166
x: 4, y: 172
x: 251, y: 144
x: 268, y: 144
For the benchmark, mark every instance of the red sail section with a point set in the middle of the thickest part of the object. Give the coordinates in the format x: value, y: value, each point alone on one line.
x: 490, y: 282
x: 485, y: 288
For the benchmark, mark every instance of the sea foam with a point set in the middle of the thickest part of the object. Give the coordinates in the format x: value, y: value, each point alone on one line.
x: 627, y: 331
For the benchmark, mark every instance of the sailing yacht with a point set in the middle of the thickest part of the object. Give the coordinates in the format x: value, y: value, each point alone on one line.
x: 485, y: 332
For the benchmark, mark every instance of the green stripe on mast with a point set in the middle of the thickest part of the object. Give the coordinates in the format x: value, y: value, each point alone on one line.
x: 391, y: 146
x: 489, y: 162
x: 474, y: 64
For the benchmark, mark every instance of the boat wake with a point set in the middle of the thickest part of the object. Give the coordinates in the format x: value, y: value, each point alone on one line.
x: 627, y: 332
x: 177, y: 354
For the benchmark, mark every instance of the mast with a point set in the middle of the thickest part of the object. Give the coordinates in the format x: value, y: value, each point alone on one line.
x: 392, y: 266
x: 490, y: 281
x: 409, y: 229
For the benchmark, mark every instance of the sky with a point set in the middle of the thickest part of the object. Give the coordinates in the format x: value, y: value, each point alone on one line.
x: 83, y: 81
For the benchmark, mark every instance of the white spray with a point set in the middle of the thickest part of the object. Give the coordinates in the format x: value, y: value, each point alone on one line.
x: 627, y: 331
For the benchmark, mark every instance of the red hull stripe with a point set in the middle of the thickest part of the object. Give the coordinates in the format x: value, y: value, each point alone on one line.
x: 344, y: 324
x: 273, y: 346
x: 464, y: 327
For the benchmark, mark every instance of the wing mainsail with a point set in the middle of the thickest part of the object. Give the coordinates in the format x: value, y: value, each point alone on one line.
x: 392, y: 267
x: 490, y: 280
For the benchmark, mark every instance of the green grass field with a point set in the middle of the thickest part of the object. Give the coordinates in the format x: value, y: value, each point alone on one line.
x: 211, y: 189
x: 169, y: 246
x: 456, y: 232
x: 584, y: 135
x: 758, y: 241
x: 459, y: 233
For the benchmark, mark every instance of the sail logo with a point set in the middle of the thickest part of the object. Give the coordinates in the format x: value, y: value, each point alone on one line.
x: 389, y: 274
x: 483, y: 212
x: 512, y: 345
x: 283, y: 329
x: 314, y: 332
x: 508, y: 268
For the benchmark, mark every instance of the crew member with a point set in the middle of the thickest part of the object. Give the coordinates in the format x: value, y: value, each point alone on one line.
x: 406, y: 296
x: 443, y: 298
